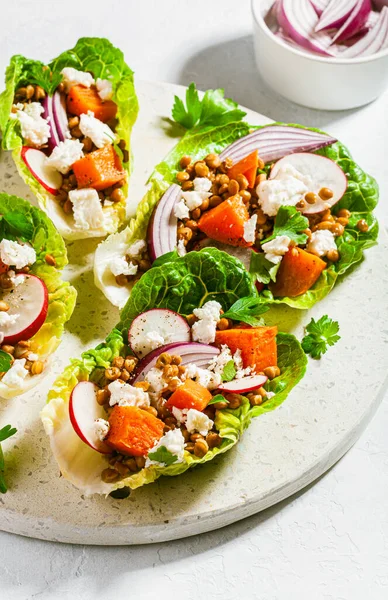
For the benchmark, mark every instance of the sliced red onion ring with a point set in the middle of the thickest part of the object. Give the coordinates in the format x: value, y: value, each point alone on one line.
x: 48, y: 114
x: 60, y: 116
x: 162, y: 230
x: 335, y: 14
x: 298, y: 20
x: 319, y: 6
x: 374, y: 41
x: 190, y: 352
x: 356, y: 21
x: 275, y: 141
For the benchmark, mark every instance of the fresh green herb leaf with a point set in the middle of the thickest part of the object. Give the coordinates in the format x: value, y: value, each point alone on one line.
x: 163, y: 455
x: 5, y: 361
x: 218, y: 398
x: 213, y: 110
x: 39, y: 74
x: 261, y: 269
x: 229, y: 372
x: 321, y: 335
x: 5, y: 433
x: 247, y: 310
x: 289, y: 222
x: 18, y: 225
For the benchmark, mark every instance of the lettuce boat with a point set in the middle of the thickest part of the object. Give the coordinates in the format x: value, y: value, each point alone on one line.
x: 35, y: 301
x: 68, y: 125
x: 299, y: 209
x: 89, y: 458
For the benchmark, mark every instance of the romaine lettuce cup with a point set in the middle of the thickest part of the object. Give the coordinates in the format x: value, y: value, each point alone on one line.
x: 68, y: 125
x: 214, y: 127
x: 181, y: 286
x: 29, y: 331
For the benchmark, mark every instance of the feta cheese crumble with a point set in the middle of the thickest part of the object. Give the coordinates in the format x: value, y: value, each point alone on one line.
x: 180, y: 415
x: 153, y: 340
x: 181, y: 211
x: 321, y: 242
x: 219, y: 362
x: 15, y: 254
x: 16, y: 375
x: 96, y: 130
x: 208, y: 379
x: 6, y: 320
x: 194, y: 199
x: 125, y: 394
x: 181, y: 248
x: 120, y: 266
x: 155, y: 379
x: 204, y: 330
x: 73, y: 77
x: 87, y: 209
x: 276, y: 249
x: 198, y: 421
x: 64, y: 155
x: 104, y: 88
x: 250, y: 229
x: 101, y: 428
x: 174, y: 442
x: 135, y: 250
x: 34, y: 128
x: 202, y: 184
x: 287, y: 188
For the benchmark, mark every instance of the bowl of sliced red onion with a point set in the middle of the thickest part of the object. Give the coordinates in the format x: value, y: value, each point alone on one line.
x: 325, y: 54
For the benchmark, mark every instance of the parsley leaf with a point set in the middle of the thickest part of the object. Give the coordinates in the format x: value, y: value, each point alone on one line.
x: 16, y: 226
x: 5, y: 361
x: 321, y: 335
x: 247, y: 310
x: 261, y: 269
x: 5, y: 433
x: 163, y: 455
x: 214, y: 109
x: 38, y: 74
x: 289, y: 222
x: 229, y: 372
x: 218, y: 398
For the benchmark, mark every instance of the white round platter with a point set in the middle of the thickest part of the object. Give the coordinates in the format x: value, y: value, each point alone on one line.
x: 281, y: 452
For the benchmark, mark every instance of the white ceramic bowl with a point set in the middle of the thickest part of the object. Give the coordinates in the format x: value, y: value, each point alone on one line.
x: 315, y: 81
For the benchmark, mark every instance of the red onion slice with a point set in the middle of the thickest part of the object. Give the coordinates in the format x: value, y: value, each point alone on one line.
x: 162, y: 230
x: 374, y: 41
x: 60, y: 116
x: 275, y: 141
x: 298, y: 20
x: 335, y: 14
x: 319, y: 6
x: 48, y: 114
x: 191, y: 352
x: 356, y: 21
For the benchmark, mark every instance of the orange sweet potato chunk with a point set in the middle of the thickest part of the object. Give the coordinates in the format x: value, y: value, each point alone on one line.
x: 298, y: 271
x: 133, y: 430
x: 225, y: 222
x: 99, y: 169
x: 190, y: 395
x: 80, y: 99
x: 246, y: 166
x: 257, y: 345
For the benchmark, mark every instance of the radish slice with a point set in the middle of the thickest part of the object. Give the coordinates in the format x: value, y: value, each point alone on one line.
x: 49, y: 178
x: 60, y: 116
x: 162, y: 230
x: 48, y: 114
x: 28, y: 301
x: 170, y: 326
x: 246, y: 384
x: 83, y: 411
x: 335, y: 14
x: 322, y: 172
x: 319, y: 6
x: 354, y: 22
x: 190, y: 352
x: 374, y: 41
x: 242, y: 254
x: 298, y: 19
x: 275, y: 141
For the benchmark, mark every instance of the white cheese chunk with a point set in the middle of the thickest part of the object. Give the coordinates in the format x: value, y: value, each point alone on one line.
x: 198, y: 421
x: 101, y: 428
x: 73, y: 77
x: 135, y: 250
x: 321, y: 242
x: 250, y: 229
x: 125, y: 394
x: 87, y: 209
x: 180, y: 415
x: 210, y: 309
x: 181, y: 211
x: 276, y: 249
x: 15, y: 254
x: 174, y: 442
x: 181, y: 248
x: 6, y: 320
x: 34, y: 128
x: 96, y: 130
x: 155, y: 379
x: 205, y: 377
x: 16, y: 375
x: 120, y: 266
x: 204, y: 330
x: 194, y: 199
x: 153, y: 340
x: 286, y: 189
x: 202, y: 184
x: 65, y: 155
x: 104, y: 88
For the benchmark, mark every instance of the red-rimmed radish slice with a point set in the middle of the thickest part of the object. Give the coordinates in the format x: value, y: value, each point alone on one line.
x: 162, y: 230
x: 246, y: 384
x: 60, y: 116
x: 29, y: 300
x: 166, y: 323
x: 83, y: 411
x: 48, y: 114
x: 275, y: 141
x: 190, y: 352
x: 355, y: 21
x: 322, y: 172
x: 298, y: 20
x: 335, y: 14
x: 49, y: 178
x: 375, y: 40
x: 243, y: 254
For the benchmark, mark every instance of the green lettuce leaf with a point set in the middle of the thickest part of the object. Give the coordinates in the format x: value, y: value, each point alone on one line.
x: 45, y: 239
x: 100, y: 57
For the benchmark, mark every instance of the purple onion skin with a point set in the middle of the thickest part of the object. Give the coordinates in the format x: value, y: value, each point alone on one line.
x: 354, y: 23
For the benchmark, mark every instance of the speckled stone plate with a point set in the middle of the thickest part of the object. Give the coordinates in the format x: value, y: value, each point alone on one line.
x: 281, y: 452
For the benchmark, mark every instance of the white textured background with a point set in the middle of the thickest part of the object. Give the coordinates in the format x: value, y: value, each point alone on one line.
x: 331, y: 541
